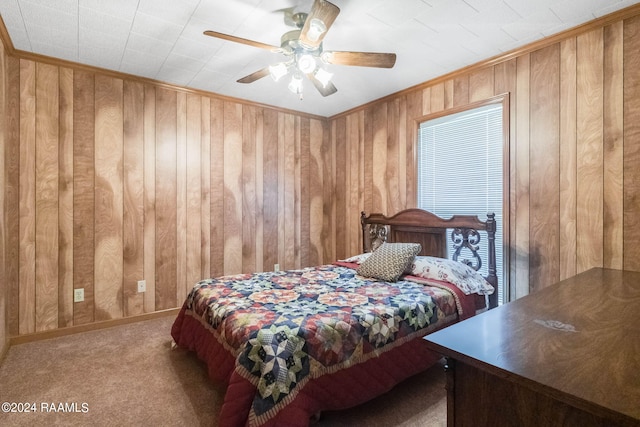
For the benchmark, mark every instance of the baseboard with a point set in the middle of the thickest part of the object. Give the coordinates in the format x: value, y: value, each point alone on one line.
x: 55, y: 333
x: 5, y: 350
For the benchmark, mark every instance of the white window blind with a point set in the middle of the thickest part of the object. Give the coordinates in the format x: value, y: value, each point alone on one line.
x: 460, y: 171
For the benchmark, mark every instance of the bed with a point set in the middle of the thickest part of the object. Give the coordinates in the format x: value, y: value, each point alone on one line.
x: 291, y: 344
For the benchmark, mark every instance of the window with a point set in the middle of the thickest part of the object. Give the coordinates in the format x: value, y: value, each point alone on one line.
x: 460, y: 171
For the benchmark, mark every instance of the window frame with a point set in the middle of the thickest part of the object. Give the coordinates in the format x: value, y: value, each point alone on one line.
x: 506, y: 274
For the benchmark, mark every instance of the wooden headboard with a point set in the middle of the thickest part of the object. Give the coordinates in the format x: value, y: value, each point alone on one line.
x: 420, y: 226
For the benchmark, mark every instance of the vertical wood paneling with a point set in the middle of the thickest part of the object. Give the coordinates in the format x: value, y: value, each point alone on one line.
x: 149, y: 257
x: 380, y: 159
x: 589, y: 134
x: 392, y: 188
x: 4, y: 288
x: 232, y: 188
x: 109, y: 198
x: 134, y: 174
x: 544, y: 167
x: 248, y: 188
x: 281, y: 192
x: 354, y: 136
x: 83, y: 194
x: 181, y: 198
x: 522, y: 168
x: 193, y: 235
x: 166, y: 196
x: 296, y: 180
x: 631, y: 187
x: 368, y: 165
x: 505, y: 82
x: 437, y: 98
x: 12, y: 195
x: 4, y: 327
x: 460, y: 92
x: 47, y: 169
x: 65, y: 201
x: 205, y: 197
x: 340, y: 178
x: 27, y: 196
x: 613, y: 131
x: 414, y: 110
x: 449, y: 92
x: 288, y: 228
x: 328, y: 190
x: 402, y: 154
x: 568, y: 158
x: 270, y: 189
x: 304, y: 188
x: 133, y: 197
x: 316, y: 184
x: 481, y: 84
x: 217, y: 187
x: 259, y: 177
x: 426, y: 101
x: 357, y: 243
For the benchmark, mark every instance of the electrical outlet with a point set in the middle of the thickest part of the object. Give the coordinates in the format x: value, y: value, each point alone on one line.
x: 78, y: 295
x: 276, y: 267
x: 142, y: 286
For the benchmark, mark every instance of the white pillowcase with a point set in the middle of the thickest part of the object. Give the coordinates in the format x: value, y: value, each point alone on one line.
x: 457, y: 273
x: 358, y: 259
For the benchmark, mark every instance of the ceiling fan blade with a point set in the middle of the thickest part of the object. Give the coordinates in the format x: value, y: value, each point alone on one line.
x: 324, y: 12
x: 362, y: 59
x: 327, y: 90
x: 255, y: 76
x: 243, y: 41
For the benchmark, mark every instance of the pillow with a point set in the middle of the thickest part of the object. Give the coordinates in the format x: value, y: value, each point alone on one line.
x: 357, y: 259
x: 389, y: 261
x: 457, y: 273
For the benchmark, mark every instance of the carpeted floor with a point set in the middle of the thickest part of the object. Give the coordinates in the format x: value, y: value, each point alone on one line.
x: 129, y: 376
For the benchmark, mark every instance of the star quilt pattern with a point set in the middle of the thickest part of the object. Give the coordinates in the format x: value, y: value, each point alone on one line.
x: 289, y: 326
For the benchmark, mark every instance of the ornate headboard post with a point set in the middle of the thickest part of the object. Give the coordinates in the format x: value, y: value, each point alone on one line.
x: 373, y: 235
x: 492, y: 278
x: 469, y: 238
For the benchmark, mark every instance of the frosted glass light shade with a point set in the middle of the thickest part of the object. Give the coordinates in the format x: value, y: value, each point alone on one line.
x: 278, y: 71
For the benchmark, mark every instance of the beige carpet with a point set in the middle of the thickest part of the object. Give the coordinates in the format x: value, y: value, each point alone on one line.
x: 127, y: 375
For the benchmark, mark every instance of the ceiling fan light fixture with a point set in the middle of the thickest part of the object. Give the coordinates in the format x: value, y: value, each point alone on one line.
x: 306, y: 63
x: 295, y: 85
x: 278, y: 71
x: 325, y: 57
x: 316, y: 29
x: 323, y: 76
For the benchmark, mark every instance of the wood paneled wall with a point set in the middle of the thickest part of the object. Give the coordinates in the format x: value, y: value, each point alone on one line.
x: 574, y: 154
x: 111, y: 181
x: 4, y: 331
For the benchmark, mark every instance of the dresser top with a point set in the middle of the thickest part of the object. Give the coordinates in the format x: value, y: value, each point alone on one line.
x: 577, y: 341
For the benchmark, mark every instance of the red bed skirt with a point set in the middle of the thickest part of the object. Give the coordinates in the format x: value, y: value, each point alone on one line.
x: 339, y: 390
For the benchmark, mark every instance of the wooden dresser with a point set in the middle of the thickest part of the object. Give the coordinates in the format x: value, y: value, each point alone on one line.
x: 568, y: 355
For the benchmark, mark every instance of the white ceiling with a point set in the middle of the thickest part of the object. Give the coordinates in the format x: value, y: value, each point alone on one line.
x: 163, y: 40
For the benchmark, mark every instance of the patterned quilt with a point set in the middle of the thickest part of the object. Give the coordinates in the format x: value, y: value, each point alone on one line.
x: 289, y: 326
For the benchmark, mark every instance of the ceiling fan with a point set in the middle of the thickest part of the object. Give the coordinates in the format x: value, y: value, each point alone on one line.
x: 305, y: 54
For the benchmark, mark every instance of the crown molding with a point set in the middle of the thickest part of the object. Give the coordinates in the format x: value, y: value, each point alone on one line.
x: 6, y: 40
